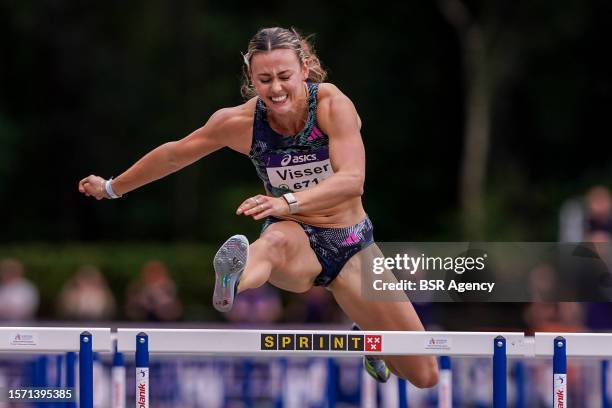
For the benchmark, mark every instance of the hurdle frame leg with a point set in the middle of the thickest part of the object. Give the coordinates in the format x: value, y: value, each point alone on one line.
x: 605, y: 400
x: 403, y: 392
x: 519, y: 383
x: 500, y: 392
x: 71, y: 374
x: 118, y: 387
x: 85, y: 371
x: 559, y: 373
x: 142, y: 370
x: 445, y: 384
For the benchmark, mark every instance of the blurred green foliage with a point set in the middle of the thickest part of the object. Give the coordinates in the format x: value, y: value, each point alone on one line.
x: 49, y: 266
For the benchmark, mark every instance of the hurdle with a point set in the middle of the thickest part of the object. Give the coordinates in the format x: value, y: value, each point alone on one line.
x: 222, y: 342
x: 57, y: 340
x: 499, y: 346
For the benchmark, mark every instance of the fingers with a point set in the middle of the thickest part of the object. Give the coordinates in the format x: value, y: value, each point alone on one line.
x: 257, y: 207
x: 264, y: 213
x: 83, y: 188
x: 82, y: 184
x: 250, y: 203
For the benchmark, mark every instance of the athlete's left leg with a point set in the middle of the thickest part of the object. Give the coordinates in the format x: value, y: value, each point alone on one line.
x: 399, y: 315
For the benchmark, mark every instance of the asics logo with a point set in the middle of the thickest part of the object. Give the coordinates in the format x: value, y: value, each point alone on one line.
x: 303, y: 158
x: 286, y: 160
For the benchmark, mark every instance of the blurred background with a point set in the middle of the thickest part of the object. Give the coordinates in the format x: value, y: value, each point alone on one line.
x: 481, y: 120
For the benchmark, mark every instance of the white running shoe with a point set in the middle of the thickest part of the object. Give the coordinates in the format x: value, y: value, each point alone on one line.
x: 229, y: 262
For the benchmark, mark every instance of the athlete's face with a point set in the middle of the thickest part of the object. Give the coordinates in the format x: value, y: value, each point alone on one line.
x: 278, y: 77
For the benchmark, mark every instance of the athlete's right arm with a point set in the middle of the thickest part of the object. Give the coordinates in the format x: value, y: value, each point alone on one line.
x: 167, y: 158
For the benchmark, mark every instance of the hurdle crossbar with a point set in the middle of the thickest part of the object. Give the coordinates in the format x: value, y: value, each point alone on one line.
x: 595, y: 345
x: 322, y: 343
x: 39, y: 340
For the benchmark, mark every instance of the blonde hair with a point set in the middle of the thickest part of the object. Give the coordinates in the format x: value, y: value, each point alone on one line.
x: 268, y: 39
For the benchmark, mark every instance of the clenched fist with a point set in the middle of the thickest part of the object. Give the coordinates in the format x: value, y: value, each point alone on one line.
x: 93, y: 186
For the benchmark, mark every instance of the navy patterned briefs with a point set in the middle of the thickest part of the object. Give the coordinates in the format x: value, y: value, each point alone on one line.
x: 334, y: 246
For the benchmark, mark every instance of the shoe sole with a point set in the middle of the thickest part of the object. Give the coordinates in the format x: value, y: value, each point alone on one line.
x: 229, y: 262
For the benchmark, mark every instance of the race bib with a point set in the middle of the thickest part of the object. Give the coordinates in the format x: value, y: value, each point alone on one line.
x: 298, y: 171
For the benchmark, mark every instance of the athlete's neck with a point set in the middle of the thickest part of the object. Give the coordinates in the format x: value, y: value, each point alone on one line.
x: 289, y: 124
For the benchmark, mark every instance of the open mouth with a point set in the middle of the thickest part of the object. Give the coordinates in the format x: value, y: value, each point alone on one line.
x: 278, y: 99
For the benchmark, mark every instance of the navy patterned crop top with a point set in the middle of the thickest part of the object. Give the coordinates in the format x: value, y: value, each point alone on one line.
x: 290, y: 164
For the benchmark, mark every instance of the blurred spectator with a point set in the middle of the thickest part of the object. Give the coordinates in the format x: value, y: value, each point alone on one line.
x: 86, y: 296
x: 590, y: 220
x: 543, y: 314
x: 154, y: 296
x: 599, y: 210
x: 18, y: 296
x: 602, y: 244
x: 554, y: 317
x: 599, y: 314
x: 315, y: 306
x: 581, y: 216
x: 260, y: 305
x: 542, y: 281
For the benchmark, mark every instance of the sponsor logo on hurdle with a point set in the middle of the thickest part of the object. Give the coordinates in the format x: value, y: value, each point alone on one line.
x: 560, y: 391
x: 317, y: 342
x: 438, y: 343
x: 142, y: 387
x: 23, y: 339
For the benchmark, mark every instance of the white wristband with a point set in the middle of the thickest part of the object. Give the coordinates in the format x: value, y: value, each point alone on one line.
x: 108, y: 187
x: 294, y: 206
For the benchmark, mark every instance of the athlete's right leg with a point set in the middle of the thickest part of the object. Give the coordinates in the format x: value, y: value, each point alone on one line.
x: 282, y: 255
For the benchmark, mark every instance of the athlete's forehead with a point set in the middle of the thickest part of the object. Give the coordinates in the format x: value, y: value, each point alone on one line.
x: 274, y: 62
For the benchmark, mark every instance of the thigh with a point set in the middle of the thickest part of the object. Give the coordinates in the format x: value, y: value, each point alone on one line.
x: 299, y: 266
x: 368, y: 312
x: 371, y: 314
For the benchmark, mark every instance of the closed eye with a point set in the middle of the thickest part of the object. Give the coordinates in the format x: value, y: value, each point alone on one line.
x: 265, y: 81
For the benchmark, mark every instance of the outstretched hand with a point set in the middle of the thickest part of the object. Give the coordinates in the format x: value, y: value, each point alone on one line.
x: 261, y: 206
x: 93, y: 186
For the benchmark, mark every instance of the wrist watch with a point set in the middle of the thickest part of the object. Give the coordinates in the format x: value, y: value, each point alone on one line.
x: 294, y: 207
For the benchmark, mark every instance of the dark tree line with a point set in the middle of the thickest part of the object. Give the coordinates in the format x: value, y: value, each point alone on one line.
x: 89, y: 88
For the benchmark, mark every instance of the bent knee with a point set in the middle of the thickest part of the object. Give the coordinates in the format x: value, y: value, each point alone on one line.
x: 428, y: 376
x: 274, y: 246
x: 423, y: 375
x: 426, y: 379
x: 274, y: 240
